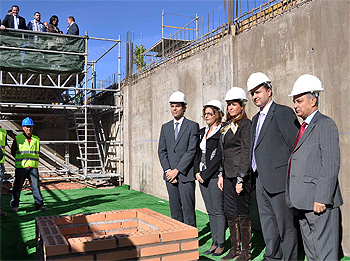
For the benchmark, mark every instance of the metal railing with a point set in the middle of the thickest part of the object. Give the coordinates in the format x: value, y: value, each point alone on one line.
x: 234, y: 26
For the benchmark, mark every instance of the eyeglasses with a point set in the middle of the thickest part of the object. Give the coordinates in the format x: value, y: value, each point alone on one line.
x: 208, y: 113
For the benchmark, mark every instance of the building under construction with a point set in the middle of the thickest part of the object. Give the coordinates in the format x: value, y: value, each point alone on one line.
x: 45, y: 76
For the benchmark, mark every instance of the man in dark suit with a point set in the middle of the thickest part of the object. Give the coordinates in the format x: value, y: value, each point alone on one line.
x: 312, y: 184
x: 14, y: 21
x: 73, y: 27
x: 274, y: 130
x: 176, y: 151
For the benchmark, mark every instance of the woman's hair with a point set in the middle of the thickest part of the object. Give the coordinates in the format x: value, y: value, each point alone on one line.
x: 218, y: 114
x: 53, y: 18
x: 242, y: 115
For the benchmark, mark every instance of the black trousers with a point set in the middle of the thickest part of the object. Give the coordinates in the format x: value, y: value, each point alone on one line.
x: 278, y: 225
x: 213, y: 199
x: 182, y: 201
x: 234, y: 204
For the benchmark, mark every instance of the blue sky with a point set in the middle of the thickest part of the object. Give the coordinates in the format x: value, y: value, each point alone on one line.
x: 109, y: 19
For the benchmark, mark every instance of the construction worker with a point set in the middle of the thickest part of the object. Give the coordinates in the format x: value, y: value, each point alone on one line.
x: 3, y: 134
x: 25, y: 149
x: 312, y: 184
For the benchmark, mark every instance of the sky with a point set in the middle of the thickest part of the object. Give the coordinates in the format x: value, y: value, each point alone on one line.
x: 109, y: 19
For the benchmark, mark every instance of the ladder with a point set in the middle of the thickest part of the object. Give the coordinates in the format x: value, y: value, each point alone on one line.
x: 92, y: 159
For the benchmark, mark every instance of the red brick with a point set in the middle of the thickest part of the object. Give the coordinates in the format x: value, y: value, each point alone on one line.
x: 171, y: 235
x: 162, y: 217
x: 189, y: 245
x: 62, y: 220
x: 55, y: 245
x: 53, y: 230
x: 74, y: 230
x: 78, y: 258
x: 142, y: 225
x: 122, y: 232
x: 152, y: 221
x: 137, y: 239
x: 119, y: 215
x: 151, y: 259
x: 95, y: 234
x: 84, y: 244
x: 88, y: 218
x: 183, y: 256
x: 159, y: 250
x: 105, y: 227
x: 118, y: 255
x: 46, y: 222
x: 129, y: 224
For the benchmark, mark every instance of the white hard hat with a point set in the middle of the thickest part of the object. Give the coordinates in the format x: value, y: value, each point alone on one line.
x: 236, y: 93
x: 306, y: 83
x: 178, y: 97
x: 256, y: 79
x: 215, y: 103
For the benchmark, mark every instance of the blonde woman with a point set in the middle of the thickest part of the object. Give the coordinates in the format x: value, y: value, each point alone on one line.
x: 207, y: 166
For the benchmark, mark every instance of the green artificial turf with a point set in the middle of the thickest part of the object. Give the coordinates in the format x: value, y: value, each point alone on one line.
x: 18, y: 229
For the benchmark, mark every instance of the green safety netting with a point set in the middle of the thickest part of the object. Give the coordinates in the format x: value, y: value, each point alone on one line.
x: 41, y: 61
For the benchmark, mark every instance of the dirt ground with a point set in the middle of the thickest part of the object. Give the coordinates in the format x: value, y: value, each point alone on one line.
x: 59, y: 184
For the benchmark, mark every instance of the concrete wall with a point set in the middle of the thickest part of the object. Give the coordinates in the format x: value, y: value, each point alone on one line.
x: 311, y: 39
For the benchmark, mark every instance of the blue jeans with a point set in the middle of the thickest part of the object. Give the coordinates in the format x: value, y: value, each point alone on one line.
x: 32, y: 174
x: 2, y: 171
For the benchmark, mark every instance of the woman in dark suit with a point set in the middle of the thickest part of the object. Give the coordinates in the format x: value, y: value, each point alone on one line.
x: 207, y: 165
x: 53, y: 25
x: 235, y: 180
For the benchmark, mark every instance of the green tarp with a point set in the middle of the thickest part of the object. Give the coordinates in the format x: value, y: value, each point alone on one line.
x: 42, y: 61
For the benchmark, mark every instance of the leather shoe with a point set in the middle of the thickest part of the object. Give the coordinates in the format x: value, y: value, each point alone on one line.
x: 41, y: 208
x: 219, y: 250
x: 211, y: 250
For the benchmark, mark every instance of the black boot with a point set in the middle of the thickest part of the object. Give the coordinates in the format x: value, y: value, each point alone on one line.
x: 233, y: 224
x: 246, y: 237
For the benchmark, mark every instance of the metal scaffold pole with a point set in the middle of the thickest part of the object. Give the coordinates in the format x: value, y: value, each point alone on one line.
x: 85, y: 109
x: 119, y: 115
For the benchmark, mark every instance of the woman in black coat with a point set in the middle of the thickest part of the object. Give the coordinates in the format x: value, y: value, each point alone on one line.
x: 235, y: 180
x: 207, y: 165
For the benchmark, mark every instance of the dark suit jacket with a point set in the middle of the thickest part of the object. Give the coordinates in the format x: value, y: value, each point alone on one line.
x: 213, y: 156
x: 236, y: 148
x: 73, y: 29
x: 178, y: 154
x: 315, y: 164
x: 8, y: 22
x: 274, y: 146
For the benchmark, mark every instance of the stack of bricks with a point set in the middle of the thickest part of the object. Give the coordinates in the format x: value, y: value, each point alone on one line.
x: 140, y: 234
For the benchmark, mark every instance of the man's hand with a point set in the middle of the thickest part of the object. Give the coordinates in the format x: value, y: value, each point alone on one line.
x: 199, y: 178
x: 174, y: 181
x: 172, y: 174
x: 221, y: 183
x: 319, y: 207
x: 239, y: 188
x: 3, y: 27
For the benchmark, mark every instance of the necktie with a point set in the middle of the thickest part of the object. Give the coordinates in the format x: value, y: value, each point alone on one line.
x: 257, y: 132
x: 300, y: 133
x: 176, y: 129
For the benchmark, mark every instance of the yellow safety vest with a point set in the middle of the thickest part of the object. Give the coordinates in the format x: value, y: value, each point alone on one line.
x: 27, y: 155
x: 3, y: 134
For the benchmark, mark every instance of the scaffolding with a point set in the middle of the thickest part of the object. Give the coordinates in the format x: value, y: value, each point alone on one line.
x: 64, y: 102
x: 175, y: 41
